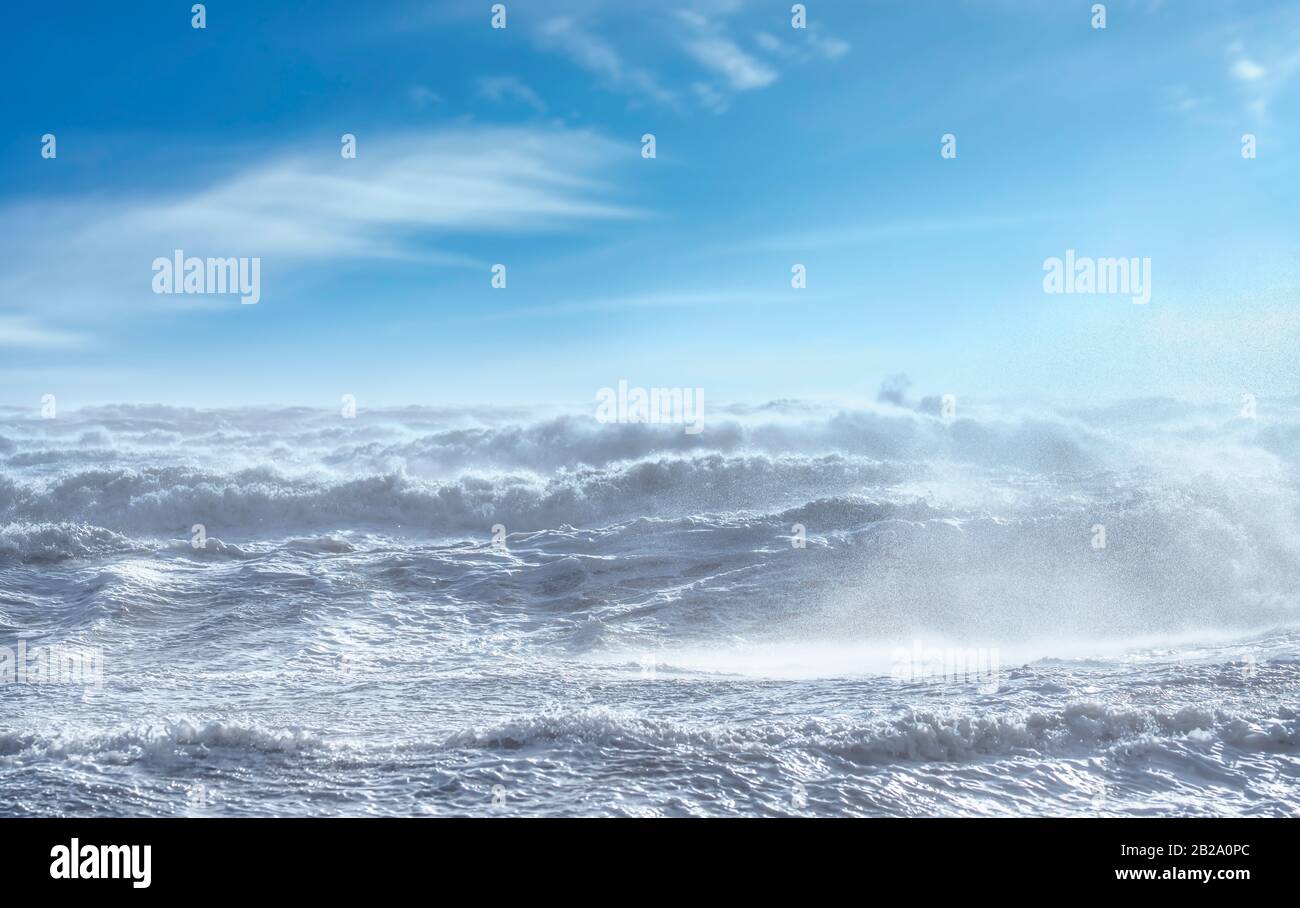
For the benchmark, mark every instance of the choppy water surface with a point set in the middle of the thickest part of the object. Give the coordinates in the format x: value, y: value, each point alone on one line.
x: 649, y: 639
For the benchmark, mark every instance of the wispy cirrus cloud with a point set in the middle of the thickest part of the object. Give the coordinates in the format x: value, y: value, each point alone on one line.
x: 510, y: 88
x: 23, y: 331
x: 713, y: 49
x: 700, y: 52
x: 648, y: 64
x: 90, y: 258
x: 809, y: 42
x: 423, y: 96
x: 597, y: 55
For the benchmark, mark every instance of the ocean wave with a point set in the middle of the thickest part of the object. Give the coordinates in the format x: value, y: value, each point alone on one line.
x: 172, y: 499
x: 915, y: 735
x: 1134, y: 568
x: 434, y: 442
x: 1122, y: 554
x: 1131, y: 519
x: 170, y: 739
x: 48, y: 542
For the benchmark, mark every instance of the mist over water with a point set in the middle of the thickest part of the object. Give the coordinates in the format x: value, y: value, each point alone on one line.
x: 719, y: 623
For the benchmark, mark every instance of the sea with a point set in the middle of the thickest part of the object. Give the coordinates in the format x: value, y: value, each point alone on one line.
x: 808, y: 608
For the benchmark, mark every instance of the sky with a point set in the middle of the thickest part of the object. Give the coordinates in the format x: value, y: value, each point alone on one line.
x: 522, y: 146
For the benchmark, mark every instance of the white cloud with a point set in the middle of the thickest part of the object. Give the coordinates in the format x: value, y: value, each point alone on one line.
x: 22, y: 331
x: 510, y: 88
x: 705, y: 40
x: 598, y: 56
x: 711, y: 98
x: 769, y: 43
x: 741, y: 71
x: 1263, y: 83
x: 704, y: 33
x: 831, y: 48
x: 1264, y: 73
x: 1248, y: 70
x: 91, y: 258
x: 808, y: 43
x: 423, y: 96
x: 457, y: 181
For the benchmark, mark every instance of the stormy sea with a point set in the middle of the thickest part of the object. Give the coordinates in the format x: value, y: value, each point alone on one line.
x: 852, y: 609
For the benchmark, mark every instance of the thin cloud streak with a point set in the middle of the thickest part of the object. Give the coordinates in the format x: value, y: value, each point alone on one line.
x: 23, y: 332
x: 296, y: 211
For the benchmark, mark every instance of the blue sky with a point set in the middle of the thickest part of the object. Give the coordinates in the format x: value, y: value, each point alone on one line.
x: 775, y: 146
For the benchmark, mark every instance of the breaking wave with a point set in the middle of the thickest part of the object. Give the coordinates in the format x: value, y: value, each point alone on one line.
x: 397, y: 583
x: 915, y: 735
